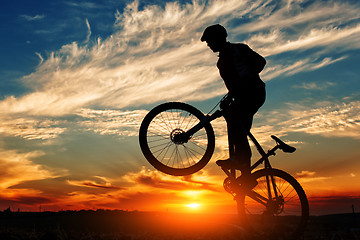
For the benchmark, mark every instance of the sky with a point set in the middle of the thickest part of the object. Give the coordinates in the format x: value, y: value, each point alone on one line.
x: 77, y: 78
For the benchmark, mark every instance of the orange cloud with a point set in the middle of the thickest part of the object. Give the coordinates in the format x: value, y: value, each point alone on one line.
x: 104, y: 183
x: 307, y: 176
x: 18, y: 167
x: 157, y: 179
x: 25, y: 199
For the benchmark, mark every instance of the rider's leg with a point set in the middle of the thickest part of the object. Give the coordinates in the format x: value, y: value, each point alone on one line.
x: 242, y: 150
x: 238, y: 129
x: 239, y: 149
x: 230, y: 141
x: 240, y: 119
x: 239, y: 116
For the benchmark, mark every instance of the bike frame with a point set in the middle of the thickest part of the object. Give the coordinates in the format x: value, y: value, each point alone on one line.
x: 219, y: 113
x: 265, y: 194
x: 232, y: 172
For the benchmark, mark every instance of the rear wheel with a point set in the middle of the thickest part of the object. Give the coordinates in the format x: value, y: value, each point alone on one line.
x: 161, y: 142
x: 276, y: 208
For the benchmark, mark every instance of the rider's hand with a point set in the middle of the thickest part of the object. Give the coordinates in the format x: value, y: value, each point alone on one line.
x: 226, y: 102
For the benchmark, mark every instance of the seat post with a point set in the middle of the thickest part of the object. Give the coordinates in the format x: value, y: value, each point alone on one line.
x: 233, y: 172
x: 258, y: 147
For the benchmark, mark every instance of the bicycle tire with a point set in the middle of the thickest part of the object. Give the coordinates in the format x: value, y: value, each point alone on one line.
x: 156, y: 138
x: 277, y: 220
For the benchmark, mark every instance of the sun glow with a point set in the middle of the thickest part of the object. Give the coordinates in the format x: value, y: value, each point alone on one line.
x: 193, y: 205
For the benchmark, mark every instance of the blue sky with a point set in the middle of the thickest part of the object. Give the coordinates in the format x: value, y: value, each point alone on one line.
x: 77, y: 77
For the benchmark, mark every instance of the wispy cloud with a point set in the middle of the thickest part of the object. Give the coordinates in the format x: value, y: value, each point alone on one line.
x: 315, y: 86
x: 325, y: 119
x: 310, y: 24
x: 341, y: 120
x: 155, y: 55
x: 318, y: 38
x: 84, y: 4
x: 108, y: 122
x: 30, y: 128
x: 101, y: 182
x: 303, y: 65
x: 89, y: 31
x: 40, y: 57
x: 32, y: 18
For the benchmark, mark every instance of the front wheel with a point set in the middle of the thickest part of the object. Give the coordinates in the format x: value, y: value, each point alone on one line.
x: 160, y: 141
x: 276, y: 208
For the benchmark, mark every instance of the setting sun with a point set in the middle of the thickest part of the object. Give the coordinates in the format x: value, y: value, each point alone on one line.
x: 193, y: 205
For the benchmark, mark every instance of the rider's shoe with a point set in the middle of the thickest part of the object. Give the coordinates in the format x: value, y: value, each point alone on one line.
x: 229, y: 164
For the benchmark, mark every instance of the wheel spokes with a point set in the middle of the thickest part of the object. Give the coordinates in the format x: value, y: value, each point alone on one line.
x: 278, y: 211
x: 164, y: 144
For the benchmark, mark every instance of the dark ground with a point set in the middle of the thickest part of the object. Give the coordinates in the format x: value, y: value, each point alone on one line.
x: 123, y: 225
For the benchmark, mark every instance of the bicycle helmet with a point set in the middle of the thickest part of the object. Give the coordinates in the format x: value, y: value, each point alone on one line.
x: 214, y: 31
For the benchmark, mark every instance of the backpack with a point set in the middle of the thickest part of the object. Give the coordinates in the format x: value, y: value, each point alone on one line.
x: 255, y: 60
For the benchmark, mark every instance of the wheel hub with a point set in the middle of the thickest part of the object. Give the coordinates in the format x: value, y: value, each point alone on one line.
x: 177, y: 136
x: 275, y: 206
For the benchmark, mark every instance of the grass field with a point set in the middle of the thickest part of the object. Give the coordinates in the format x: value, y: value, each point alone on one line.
x: 123, y: 225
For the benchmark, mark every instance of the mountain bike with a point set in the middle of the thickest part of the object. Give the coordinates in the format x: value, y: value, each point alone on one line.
x: 178, y: 139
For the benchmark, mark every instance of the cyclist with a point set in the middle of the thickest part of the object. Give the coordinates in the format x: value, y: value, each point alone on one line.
x: 239, y: 67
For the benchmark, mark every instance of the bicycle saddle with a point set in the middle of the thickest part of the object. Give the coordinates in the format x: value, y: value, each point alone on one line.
x: 283, y: 146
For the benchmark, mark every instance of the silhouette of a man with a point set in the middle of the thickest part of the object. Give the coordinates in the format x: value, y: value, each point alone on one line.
x: 239, y: 67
